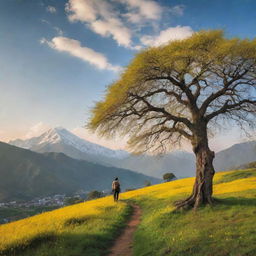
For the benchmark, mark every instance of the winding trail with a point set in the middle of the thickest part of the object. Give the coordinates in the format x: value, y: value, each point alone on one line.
x: 123, y: 244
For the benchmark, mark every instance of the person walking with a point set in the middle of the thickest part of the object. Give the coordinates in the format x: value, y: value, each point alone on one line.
x: 116, y: 189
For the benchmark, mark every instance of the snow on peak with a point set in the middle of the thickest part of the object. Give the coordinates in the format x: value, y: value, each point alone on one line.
x: 51, y: 136
x: 61, y: 135
x: 86, y: 146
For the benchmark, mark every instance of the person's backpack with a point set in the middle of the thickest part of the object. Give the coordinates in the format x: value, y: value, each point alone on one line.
x: 116, y: 185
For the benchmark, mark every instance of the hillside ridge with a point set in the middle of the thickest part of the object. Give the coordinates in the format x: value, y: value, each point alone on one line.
x: 28, y: 174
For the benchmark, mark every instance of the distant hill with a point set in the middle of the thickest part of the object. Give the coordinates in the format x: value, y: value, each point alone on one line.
x: 182, y: 164
x: 26, y: 174
x: 237, y: 155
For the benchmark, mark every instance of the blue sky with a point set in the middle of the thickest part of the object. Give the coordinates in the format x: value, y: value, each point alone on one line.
x: 58, y: 56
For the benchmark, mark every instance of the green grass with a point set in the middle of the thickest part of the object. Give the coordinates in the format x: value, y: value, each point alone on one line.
x: 238, y: 174
x: 227, y: 229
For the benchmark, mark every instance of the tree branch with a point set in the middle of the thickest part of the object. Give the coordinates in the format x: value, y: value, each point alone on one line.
x: 222, y: 91
x: 163, y: 111
x: 227, y: 107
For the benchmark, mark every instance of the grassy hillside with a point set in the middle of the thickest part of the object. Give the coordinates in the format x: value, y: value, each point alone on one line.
x: 227, y: 229
x: 85, y: 228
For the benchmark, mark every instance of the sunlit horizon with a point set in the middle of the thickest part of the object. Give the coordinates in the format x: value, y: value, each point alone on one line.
x: 218, y: 143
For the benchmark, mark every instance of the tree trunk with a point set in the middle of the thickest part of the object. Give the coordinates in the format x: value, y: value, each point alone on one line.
x: 202, y: 190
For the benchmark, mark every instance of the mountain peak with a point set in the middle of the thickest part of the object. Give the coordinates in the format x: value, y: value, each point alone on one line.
x: 62, y: 137
x: 56, y: 130
x: 59, y: 129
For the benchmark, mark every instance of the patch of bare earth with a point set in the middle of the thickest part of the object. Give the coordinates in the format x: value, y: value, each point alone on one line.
x: 123, y: 245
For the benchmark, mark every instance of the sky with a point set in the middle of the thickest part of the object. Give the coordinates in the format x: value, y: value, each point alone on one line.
x: 58, y: 56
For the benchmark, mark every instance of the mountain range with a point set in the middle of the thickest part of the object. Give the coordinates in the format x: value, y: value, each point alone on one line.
x: 61, y: 140
x: 181, y: 163
x: 26, y: 174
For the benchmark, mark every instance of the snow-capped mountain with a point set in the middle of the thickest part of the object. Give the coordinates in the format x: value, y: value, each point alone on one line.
x: 61, y: 140
x: 181, y: 163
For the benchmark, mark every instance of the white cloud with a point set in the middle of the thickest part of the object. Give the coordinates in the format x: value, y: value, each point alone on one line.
x: 36, y: 130
x: 115, y: 28
x: 74, y: 48
x: 51, y: 9
x: 81, y: 10
x: 141, y: 10
x: 122, y: 19
x: 170, y: 34
x: 101, y: 18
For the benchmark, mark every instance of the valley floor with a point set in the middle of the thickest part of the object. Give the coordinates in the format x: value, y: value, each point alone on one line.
x: 227, y: 229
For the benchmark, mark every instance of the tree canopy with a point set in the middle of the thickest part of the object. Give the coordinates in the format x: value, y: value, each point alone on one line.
x: 168, y: 176
x: 166, y: 90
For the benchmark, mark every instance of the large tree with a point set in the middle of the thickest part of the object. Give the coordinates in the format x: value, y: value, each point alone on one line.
x: 183, y: 90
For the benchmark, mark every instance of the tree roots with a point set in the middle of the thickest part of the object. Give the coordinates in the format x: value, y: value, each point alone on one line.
x: 193, y: 202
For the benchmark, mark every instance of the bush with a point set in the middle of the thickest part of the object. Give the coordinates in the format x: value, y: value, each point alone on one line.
x: 147, y: 183
x: 168, y: 176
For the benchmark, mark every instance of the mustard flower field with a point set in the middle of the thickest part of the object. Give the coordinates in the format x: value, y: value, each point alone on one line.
x: 228, y: 228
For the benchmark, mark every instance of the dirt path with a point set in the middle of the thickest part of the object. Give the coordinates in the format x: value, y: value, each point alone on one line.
x: 123, y: 244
